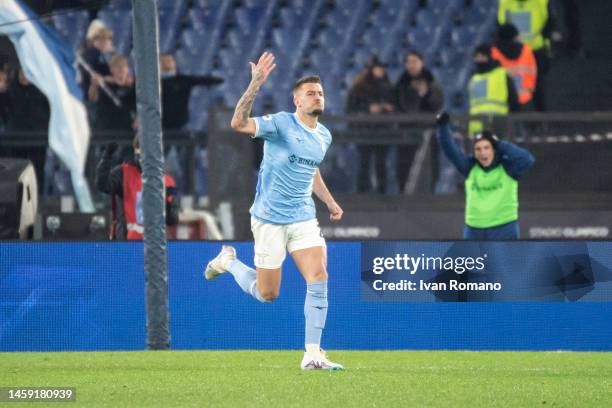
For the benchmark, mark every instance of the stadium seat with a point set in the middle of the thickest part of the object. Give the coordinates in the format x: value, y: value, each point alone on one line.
x: 455, y: 56
x: 447, y: 77
x: 293, y: 19
x: 474, y: 16
x: 396, y: 59
x: 206, y: 4
x: 187, y: 62
x: 425, y: 19
x: 230, y: 58
x: 268, y: 95
x: 360, y: 57
x: 169, y: 27
x: 248, y: 19
x: 198, y: 108
x: 330, y: 37
x: 281, y: 79
x: 179, y: 6
x: 238, y: 39
x: 288, y: 40
x: 419, y: 38
x: 489, y: 7
x: 202, y: 19
x: 283, y: 57
x: 120, y: 22
x: 335, y: 55
x: 448, y: 80
x: 376, y: 38
x: 486, y: 30
x: 120, y: 4
x: 384, y: 17
x: 251, y: 3
x: 173, y: 13
x: 394, y: 71
x: 334, y: 101
x: 393, y: 7
x: 464, y: 37
x: 72, y: 27
x: 337, y: 17
x: 322, y: 61
x: 192, y: 40
x: 167, y: 41
x: 349, y: 78
x: 443, y: 6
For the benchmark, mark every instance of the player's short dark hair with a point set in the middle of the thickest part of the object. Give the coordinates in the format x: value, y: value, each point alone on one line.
x: 311, y: 79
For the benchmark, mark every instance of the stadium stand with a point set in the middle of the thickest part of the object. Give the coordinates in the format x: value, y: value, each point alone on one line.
x: 334, y: 38
x: 206, y: 35
x: 72, y: 26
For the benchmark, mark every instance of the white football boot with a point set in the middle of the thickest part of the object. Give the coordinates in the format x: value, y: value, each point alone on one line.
x: 318, y: 361
x: 219, y: 264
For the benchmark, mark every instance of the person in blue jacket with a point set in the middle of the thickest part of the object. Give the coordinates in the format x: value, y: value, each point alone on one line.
x: 491, y: 182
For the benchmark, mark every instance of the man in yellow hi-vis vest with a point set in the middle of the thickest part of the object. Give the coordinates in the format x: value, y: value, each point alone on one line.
x: 491, y: 90
x: 532, y: 19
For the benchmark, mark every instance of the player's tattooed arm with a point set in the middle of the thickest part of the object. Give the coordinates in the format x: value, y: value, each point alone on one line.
x: 323, y: 194
x: 242, y: 113
x: 241, y: 121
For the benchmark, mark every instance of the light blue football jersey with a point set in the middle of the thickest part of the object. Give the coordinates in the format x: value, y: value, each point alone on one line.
x: 292, y: 153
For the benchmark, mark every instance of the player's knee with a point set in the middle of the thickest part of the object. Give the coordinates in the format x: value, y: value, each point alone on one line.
x: 318, y: 276
x: 269, y: 295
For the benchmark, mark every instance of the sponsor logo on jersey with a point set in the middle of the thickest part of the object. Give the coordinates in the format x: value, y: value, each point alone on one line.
x: 300, y: 160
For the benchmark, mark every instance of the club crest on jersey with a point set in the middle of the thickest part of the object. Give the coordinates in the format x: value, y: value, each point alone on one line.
x: 299, y: 138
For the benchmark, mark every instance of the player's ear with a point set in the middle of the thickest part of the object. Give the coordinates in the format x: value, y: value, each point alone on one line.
x: 295, y: 100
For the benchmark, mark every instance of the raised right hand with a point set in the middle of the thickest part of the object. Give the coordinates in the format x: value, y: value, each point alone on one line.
x: 442, y: 118
x: 261, y: 70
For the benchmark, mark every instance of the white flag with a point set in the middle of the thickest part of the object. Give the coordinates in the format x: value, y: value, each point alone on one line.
x: 49, y: 64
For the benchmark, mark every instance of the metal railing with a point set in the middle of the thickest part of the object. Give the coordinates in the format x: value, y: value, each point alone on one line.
x: 562, y: 134
x: 187, y: 143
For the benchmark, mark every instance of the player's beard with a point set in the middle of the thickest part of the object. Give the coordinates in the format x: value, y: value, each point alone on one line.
x: 316, y: 112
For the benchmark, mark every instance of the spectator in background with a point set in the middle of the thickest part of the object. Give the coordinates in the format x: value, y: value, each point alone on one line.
x: 491, y: 182
x: 124, y: 183
x: 491, y: 90
x: 518, y: 60
x: 5, y: 102
x: 176, y: 89
x: 415, y: 91
x: 97, y: 53
x: 49, y: 6
x: 532, y: 19
x: 571, y: 21
x: 27, y: 110
x: 371, y: 92
x: 109, y: 114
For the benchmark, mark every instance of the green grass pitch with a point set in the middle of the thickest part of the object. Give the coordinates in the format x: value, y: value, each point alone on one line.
x: 273, y: 379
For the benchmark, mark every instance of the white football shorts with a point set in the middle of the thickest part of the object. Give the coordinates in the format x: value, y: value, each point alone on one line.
x: 272, y: 241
